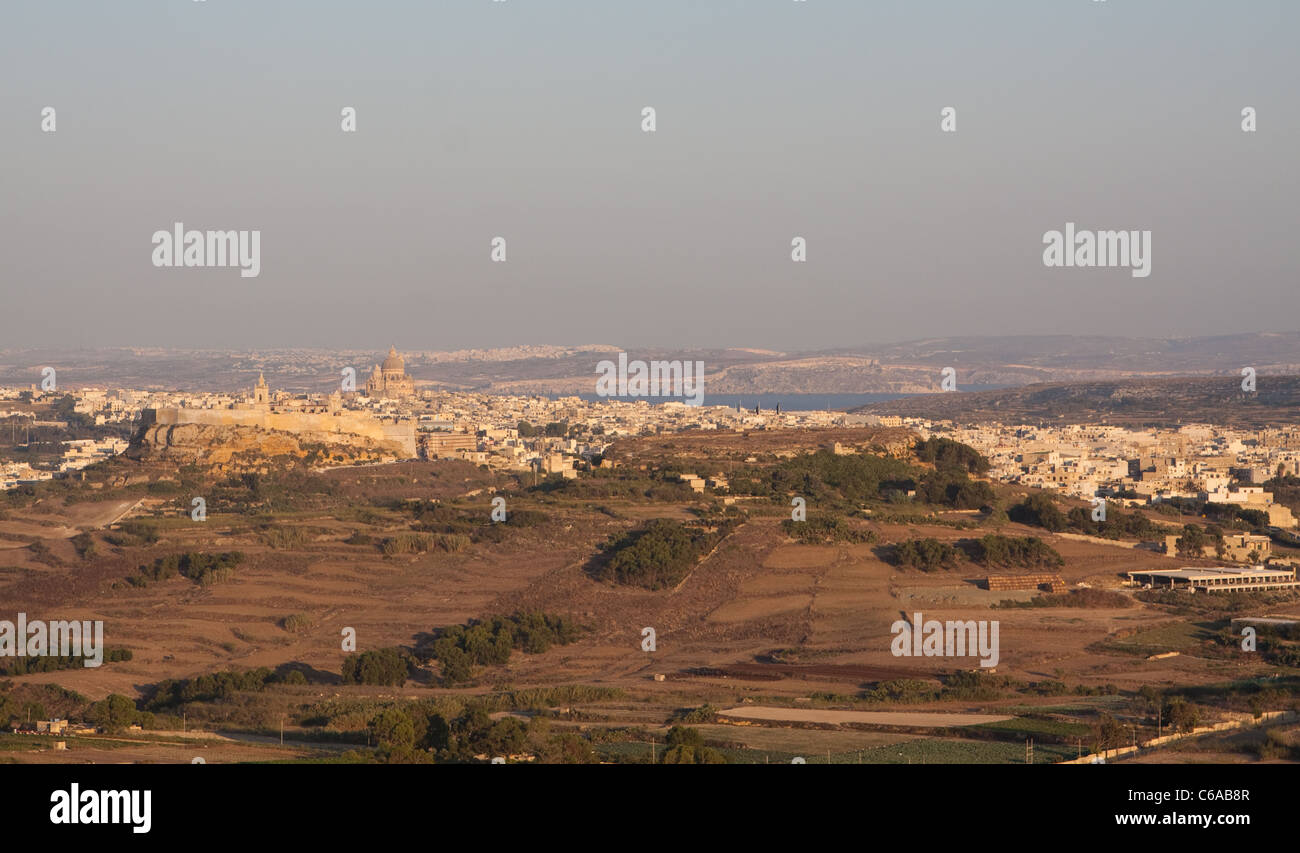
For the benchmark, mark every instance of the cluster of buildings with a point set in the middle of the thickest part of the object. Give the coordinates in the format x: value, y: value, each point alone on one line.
x: 525, y: 433
x: 75, y: 455
x: 1141, y: 466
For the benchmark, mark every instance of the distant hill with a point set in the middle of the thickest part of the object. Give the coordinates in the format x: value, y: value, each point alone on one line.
x: 1128, y: 402
x: 911, y: 367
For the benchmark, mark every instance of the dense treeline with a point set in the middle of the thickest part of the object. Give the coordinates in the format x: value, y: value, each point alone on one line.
x: 927, y: 554
x: 993, y: 550
x: 825, y: 529
x: 203, y: 569
x: 206, y: 688
x: 1025, y: 552
x: 658, y: 555
x: 1040, y: 510
x: 389, y: 667
x: 946, y: 453
x: 490, y: 642
x: 828, y: 479
x: 686, y: 746
x: 422, y: 732
x: 52, y: 663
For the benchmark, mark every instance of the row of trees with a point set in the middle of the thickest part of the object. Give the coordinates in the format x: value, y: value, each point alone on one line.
x: 389, y: 667
x: 419, y: 731
x: 459, y: 648
x: 171, y: 693
x: 826, y: 529
x: 203, y: 569
x: 992, y: 550
x: 50, y: 663
x: 490, y: 642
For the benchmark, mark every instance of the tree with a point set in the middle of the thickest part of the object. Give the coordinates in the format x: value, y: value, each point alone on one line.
x: 686, y: 746
x: 946, y: 453
x: 1192, y: 542
x: 457, y: 667
x: 388, y: 667
x: 568, y: 748
x: 113, y: 713
x: 1181, y: 714
x: 394, y: 731
x: 1039, y: 509
x: 685, y: 736
x: 504, y: 737
x: 925, y: 554
x: 1109, y: 733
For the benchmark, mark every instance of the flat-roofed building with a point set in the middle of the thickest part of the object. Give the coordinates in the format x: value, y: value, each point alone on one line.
x: 1217, y: 578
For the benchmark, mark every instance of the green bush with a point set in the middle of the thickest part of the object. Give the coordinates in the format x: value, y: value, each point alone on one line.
x: 296, y: 622
x: 928, y: 555
x: 659, y: 555
x: 388, y: 667
x: 203, y: 569
x: 824, y: 529
x: 1012, y: 551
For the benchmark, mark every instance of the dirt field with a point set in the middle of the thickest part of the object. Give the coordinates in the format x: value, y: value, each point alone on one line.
x: 760, y: 617
x: 907, y: 719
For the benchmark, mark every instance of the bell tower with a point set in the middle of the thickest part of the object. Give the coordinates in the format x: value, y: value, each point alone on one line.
x: 261, y: 394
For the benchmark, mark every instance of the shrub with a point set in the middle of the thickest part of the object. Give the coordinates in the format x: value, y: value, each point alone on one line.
x: 826, y: 529
x: 1039, y: 510
x: 1012, y: 551
x: 388, y: 667
x: 928, y: 555
x: 659, y: 555
x: 203, y: 569
x: 295, y: 622
x: 407, y: 543
x: 946, y: 453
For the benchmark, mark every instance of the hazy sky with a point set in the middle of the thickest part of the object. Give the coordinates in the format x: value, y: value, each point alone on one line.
x: 522, y: 119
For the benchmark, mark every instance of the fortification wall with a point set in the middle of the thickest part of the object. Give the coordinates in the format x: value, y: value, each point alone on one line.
x: 337, y: 423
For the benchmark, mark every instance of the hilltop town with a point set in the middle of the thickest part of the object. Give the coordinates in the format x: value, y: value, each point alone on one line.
x: 226, y: 538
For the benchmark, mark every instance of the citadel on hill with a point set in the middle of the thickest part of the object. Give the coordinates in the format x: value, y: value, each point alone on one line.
x: 322, y: 419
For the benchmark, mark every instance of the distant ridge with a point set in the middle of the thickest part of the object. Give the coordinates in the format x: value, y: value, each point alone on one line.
x: 1166, y: 401
x: 909, y: 367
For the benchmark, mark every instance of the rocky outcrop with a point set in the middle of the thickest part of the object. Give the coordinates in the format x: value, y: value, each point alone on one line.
x: 233, y: 449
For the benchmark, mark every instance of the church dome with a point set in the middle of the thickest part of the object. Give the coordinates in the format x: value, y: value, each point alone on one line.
x: 394, y: 363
